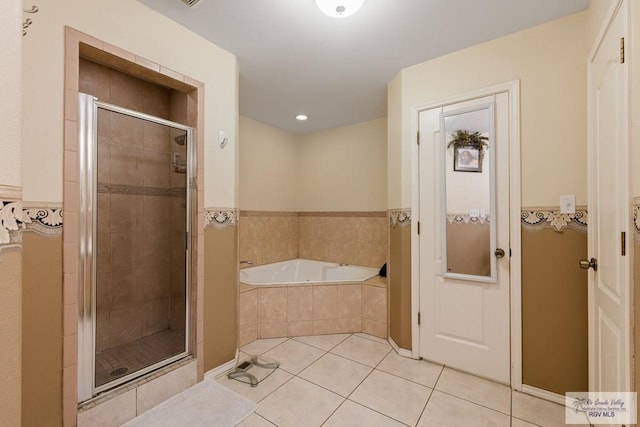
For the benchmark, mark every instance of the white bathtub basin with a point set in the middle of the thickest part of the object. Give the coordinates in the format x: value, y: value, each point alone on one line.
x: 304, y: 271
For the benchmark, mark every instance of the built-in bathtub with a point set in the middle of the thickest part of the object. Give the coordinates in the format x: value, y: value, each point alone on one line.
x: 305, y: 271
x: 305, y: 297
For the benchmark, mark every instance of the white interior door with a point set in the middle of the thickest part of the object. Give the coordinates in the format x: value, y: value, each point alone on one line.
x: 609, y: 205
x: 464, y: 286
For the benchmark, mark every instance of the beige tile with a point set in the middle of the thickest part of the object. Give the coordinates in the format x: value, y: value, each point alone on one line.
x: 273, y: 329
x: 71, y: 196
x: 349, y: 301
x: 300, y: 328
x: 537, y: 411
x: 125, y: 325
x: 126, y: 89
x: 362, y: 350
x: 248, y: 308
x: 265, y: 388
x: 247, y: 335
x: 313, y: 404
x: 325, y: 302
x: 336, y: 374
x: 262, y: 345
x: 350, y: 325
x: 153, y: 169
x: 71, y: 135
x: 123, y: 166
x: 323, y: 342
x: 113, y: 412
x: 477, y: 390
x: 376, y: 329
x: 322, y: 327
x: 160, y: 389
x: 353, y: 414
x: 255, y: 420
x: 155, y: 316
x: 70, y: 258
x: 272, y: 304
x: 443, y: 409
x: 299, y: 303
x: 392, y: 396
x: 125, y: 291
x: 419, y: 371
x: 372, y: 338
x: 519, y: 423
x: 123, y: 212
x: 294, y: 356
x: 374, y: 303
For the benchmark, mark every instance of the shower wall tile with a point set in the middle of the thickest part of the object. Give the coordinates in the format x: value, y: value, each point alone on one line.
x: 125, y: 325
x: 155, y: 316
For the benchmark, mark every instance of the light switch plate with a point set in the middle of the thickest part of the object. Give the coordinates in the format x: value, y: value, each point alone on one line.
x: 568, y: 204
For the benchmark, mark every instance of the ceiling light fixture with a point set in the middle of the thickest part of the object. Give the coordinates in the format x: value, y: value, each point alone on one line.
x: 302, y: 117
x: 339, y: 8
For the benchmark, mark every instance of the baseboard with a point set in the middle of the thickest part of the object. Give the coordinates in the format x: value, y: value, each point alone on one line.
x: 217, y: 371
x: 401, y: 351
x: 544, y: 394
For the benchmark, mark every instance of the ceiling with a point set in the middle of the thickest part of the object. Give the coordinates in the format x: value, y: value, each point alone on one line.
x: 293, y: 59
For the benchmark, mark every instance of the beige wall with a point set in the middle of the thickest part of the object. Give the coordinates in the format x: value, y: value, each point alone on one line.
x: 11, y: 66
x: 149, y: 35
x: 220, y: 296
x: 10, y: 336
x: 10, y: 181
x: 269, y: 167
x: 554, y: 310
x: 344, y: 169
x: 549, y: 61
x: 42, y: 331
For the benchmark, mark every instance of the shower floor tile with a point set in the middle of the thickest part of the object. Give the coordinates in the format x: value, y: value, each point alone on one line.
x: 111, y: 363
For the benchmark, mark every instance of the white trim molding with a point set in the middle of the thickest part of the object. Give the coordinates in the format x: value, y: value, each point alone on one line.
x: 219, y: 370
x: 401, y: 351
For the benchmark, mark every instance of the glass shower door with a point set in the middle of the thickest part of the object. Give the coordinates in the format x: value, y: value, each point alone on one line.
x: 136, y: 221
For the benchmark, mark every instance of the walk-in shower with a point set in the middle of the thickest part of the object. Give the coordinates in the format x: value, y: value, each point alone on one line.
x: 135, y: 259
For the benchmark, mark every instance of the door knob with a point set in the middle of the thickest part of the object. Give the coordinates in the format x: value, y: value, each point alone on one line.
x: 499, y: 253
x: 586, y: 264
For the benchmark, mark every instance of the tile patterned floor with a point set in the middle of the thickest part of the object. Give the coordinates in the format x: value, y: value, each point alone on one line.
x: 358, y: 380
x: 138, y: 354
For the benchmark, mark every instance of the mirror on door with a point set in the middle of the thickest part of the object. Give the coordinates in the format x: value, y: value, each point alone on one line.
x: 468, y: 196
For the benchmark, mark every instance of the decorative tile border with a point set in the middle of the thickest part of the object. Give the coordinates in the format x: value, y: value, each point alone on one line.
x: 142, y: 191
x: 399, y: 218
x: 461, y: 218
x: 538, y: 219
x: 220, y: 218
x: 14, y: 218
x: 636, y: 218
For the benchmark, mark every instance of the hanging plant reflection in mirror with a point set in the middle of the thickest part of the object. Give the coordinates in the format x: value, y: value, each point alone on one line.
x: 468, y: 150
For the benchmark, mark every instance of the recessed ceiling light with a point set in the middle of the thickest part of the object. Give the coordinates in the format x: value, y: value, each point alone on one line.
x: 302, y: 117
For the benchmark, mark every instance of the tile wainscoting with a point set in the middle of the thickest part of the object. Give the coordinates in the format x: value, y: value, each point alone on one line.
x: 358, y: 238
x: 314, y: 309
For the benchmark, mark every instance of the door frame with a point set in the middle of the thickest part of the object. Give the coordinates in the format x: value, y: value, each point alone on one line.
x: 515, y: 267
x: 619, y: 6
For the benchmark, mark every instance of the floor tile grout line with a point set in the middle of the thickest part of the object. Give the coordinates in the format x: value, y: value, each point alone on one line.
x: 472, y: 402
x: 377, y: 412
x: 424, y: 409
x: 302, y: 342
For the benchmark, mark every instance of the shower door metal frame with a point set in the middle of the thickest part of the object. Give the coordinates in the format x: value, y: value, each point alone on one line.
x: 88, y: 106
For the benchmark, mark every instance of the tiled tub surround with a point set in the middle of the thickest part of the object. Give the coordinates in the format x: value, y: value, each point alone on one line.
x: 357, y: 238
x: 313, y: 309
